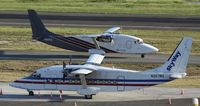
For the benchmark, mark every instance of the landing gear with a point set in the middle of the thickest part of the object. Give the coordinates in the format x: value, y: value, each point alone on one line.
x: 142, y: 55
x: 88, y: 96
x: 30, y: 93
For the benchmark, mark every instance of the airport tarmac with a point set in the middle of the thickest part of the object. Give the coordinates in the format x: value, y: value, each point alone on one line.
x: 79, y: 56
x: 151, y: 93
x: 160, y: 22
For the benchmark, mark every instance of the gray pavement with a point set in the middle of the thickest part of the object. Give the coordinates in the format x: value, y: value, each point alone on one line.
x: 151, y: 93
x: 105, y: 20
x: 77, y: 56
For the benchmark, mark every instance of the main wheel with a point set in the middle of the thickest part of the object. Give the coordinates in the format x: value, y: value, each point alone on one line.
x: 30, y: 93
x: 88, y: 96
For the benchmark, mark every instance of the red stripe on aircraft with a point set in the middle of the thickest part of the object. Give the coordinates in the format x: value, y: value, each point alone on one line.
x: 90, y: 45
x: 80, y: 43
x: 71, y: 43
x: 62, y: 83
x: 66, y: 39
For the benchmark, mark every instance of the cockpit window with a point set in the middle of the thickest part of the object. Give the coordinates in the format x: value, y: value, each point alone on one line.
x: 35, y: 75
x: 138, y: 42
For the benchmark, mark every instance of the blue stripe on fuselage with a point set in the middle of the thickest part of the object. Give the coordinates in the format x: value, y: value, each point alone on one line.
x: 118, y: 80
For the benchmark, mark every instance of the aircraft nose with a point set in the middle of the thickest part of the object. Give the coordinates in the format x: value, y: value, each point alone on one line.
x: 154, y: 49
x: 150, y: 48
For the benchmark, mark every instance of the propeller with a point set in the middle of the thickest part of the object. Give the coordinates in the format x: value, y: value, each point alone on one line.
x: 64, y: 65
x: 64, y: 71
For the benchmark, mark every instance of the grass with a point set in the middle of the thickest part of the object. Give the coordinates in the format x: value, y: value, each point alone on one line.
x: 167, y: 7
x: 14, y: 69
x: 190, y: 81
x: 19, y: 38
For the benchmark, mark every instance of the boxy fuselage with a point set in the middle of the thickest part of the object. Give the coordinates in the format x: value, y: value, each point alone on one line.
x: 107, y: 79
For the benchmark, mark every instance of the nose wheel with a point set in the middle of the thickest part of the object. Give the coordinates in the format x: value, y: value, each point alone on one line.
x: 30, y: 93
x: 88, y: 96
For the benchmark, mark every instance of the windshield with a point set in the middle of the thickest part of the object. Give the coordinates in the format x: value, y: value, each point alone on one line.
x: 35, y: 75
x: 138, y: 42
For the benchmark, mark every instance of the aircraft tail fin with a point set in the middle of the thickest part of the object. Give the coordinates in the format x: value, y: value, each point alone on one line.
x: 38, y: 29
x: 178, y: 61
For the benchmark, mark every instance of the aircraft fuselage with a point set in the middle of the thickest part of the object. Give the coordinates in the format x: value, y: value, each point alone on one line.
x: 107, y: 79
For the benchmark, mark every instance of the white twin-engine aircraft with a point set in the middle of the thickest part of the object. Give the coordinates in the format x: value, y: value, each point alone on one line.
x: 90, y: 78
x: 110, y: 41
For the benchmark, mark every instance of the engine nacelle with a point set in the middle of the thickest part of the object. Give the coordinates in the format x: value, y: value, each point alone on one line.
x: 88, y: 91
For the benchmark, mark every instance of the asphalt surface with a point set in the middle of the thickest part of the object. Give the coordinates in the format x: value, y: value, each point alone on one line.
x: 163, y: 102
x: 79, y: 56
x: 105, y: 20
x: 151, y: 93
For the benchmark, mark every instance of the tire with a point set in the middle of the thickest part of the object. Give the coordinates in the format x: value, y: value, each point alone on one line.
x: 30, y: 93
x: 88, y: 96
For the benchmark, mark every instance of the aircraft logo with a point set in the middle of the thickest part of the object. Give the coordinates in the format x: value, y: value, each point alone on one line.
x: 172, y: 64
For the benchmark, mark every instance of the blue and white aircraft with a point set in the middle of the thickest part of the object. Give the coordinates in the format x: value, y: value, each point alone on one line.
x: 90, y: 78
x: 110, y: 41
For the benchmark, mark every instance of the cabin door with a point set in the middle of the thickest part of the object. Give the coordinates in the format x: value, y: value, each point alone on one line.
x: 120, y: 83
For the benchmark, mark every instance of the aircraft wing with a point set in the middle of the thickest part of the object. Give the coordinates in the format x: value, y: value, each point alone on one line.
x: 95, y: 59
x: 91, y: 36
x: 112, y: 30
x: 109, y: 31
x: 82, y: 71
